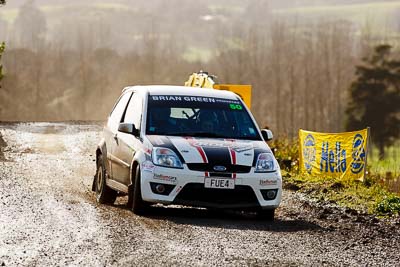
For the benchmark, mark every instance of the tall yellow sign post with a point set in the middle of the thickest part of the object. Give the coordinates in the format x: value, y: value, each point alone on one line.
x: 204, y: 80
x: 244, y: 91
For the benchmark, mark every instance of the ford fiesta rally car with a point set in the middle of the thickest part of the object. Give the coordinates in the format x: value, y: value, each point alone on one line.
x: 188, y: 146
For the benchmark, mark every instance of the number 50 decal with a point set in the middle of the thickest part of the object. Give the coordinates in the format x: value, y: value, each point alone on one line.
x: 235, y: 106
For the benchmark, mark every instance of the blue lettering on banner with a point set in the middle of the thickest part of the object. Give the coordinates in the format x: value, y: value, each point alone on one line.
x: 343, y: 164
x: 358, y: 154
x: 333, y: 160
x: 324, y: 157
x: 309, y: 151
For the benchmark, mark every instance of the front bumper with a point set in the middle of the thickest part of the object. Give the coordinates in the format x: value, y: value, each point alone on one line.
x: 186, y: 187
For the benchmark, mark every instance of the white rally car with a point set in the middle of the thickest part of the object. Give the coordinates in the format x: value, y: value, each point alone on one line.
x: 188, y: 146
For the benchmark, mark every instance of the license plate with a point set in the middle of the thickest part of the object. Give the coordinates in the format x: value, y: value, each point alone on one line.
x: 219, y: 183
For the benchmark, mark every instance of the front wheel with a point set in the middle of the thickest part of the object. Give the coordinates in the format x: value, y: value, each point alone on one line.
x: 135, y: 201
x: 104, y: 194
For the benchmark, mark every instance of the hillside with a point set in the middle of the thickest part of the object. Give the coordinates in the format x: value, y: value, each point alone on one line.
x: 382, y: 13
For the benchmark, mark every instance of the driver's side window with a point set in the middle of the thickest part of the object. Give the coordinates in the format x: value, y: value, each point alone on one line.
x: 133, y: 113
x: 116, y: 114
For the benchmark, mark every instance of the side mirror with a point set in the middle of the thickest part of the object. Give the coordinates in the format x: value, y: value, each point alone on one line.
x: 128, y: 128
x: 267, y: 134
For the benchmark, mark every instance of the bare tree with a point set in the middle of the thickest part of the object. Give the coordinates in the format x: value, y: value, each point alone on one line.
x: 30, y: 26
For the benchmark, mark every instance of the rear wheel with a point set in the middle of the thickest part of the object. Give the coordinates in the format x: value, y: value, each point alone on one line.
x: 268, y: 215
x: 136, y: 202
x: 104, y: 194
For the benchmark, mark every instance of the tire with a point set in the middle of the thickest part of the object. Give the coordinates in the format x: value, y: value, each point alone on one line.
x: 268, y: 215
x: 104, y: 194
x: 135, y: 201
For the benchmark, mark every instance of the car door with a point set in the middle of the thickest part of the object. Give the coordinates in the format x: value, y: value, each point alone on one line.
x: 127, y: 144
x: 111, y: 129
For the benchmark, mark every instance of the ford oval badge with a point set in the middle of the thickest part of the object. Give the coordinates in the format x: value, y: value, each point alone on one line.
x: 219, y: 168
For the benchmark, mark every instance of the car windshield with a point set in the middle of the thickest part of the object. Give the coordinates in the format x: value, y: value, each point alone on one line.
x: 199, y: 116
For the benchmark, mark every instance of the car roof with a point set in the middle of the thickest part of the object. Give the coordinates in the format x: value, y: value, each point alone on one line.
x: 181, y: 90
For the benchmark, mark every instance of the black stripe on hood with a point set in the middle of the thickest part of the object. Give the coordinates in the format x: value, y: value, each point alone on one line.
x: 218, y: 156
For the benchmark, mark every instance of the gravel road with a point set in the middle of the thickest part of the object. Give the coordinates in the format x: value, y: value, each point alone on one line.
x: 49, y: 217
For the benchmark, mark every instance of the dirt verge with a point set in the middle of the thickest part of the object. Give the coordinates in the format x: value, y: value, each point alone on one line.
x: 3, y: 145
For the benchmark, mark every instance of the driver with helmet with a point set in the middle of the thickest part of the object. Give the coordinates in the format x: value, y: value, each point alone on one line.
x: 207, y: 120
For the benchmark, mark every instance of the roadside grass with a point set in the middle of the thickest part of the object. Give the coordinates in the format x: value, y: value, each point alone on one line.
x: 386, y: 170
x: 378, y: 194
x: 368, y: 197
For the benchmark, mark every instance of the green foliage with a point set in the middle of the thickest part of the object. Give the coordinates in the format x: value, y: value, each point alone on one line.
x: 389, y: 205
x: 375, y: 98
x: 386, y: 170
x: 286, y: 152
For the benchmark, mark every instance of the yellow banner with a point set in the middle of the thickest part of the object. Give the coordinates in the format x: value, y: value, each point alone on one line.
x: 334, y: 155
x: 243, y: 90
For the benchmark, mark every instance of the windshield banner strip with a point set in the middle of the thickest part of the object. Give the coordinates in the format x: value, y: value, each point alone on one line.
x: 191, y: 99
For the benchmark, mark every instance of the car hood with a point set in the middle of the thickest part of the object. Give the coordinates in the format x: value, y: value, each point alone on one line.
x: 214, y: 151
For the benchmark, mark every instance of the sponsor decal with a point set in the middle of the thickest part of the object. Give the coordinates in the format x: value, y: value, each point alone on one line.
x: 193, y: 143
x: 231, y: 145
x: 165, y: 178
x: 268, y: 182
x: 148, y: 166
x: 179, y: 189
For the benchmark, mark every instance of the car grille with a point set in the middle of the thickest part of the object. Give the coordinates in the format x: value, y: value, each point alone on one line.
x: 195, y: 194
x: 207, y: 167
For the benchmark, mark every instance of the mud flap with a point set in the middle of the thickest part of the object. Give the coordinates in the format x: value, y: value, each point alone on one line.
x: 94, y: 183
x: 130, y: 195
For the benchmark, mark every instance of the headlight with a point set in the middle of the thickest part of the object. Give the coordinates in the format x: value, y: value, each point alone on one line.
x: 166, y: 157
x: 265, y: 163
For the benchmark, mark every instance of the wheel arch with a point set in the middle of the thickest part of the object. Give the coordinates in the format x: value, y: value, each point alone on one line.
x: 102, y: 150
x: 138, y: 158
x: 134, y: 166
x: 98, y: 153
